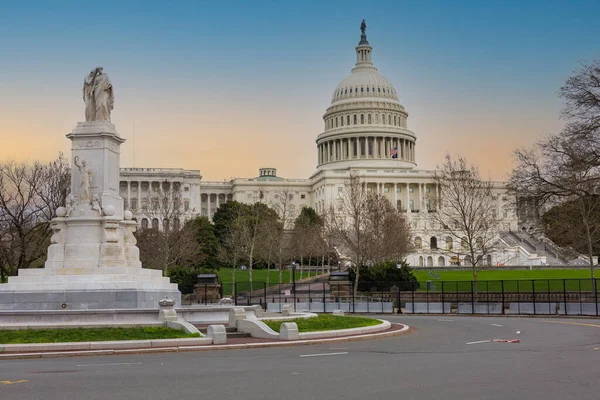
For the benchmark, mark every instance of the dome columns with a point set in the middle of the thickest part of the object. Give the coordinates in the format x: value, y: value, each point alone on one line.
x: 365, y: 147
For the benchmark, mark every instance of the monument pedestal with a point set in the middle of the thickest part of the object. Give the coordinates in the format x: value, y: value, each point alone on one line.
x: 93, y: 261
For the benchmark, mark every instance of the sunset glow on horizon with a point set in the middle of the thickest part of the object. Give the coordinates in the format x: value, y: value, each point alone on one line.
x: 228, y: 88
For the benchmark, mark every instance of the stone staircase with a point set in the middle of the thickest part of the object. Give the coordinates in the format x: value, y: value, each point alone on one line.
x: 553, y: 253
x: 232, y: 333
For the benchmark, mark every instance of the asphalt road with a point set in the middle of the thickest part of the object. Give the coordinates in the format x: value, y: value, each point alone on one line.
x: 445, y: 358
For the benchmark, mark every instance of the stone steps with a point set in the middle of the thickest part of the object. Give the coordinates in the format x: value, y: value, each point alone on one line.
x: 231, y: 333
x: 45, y: 285
x: 89, y: 271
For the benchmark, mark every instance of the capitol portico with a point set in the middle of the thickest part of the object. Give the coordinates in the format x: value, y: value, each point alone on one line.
x: 365, y: 133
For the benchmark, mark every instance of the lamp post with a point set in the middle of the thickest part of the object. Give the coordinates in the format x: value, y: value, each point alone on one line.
x: 294, y: 282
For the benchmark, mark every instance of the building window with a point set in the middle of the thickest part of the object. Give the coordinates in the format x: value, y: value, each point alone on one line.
x: 412, y: 205
x: 398, y: 190
x: 367, y: 89
x: 340, y: 189
x: 362, y: 89
x: 386, y: 190
x: 362, y: 118
x: 355, y: 119
x: 418, y: 243
x: 186, y: 189
x: 427, y: 190
x: 369, y: 118
x: 134, y: 204
x: 348, y: 120
x: 410, y: 190
x: 395, y: 122
x: 302, y: 196
x: 186, y: 204
x: 145, y: 223
x: 350, y: 90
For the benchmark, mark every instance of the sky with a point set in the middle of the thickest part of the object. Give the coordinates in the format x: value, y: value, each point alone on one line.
x: 228, y: 87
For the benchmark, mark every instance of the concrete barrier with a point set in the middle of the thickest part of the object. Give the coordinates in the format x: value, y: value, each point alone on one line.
x: 427, y: 308
x: 217, y: 333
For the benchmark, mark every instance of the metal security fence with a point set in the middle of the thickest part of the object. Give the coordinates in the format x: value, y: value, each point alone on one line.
x: 519, y: 297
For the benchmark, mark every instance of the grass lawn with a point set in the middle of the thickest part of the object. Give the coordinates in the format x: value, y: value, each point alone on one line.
x: 325, y: 322
x: 494, y: 275
x: 89, y: 335
x: 258, y: 277
x: 542, y: 280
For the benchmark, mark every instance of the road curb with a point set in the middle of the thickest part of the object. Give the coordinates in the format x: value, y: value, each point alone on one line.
x: 120, y: 351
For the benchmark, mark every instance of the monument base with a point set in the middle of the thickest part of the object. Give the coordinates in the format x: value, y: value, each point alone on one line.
x: 96, y: 288
x: 85, y: 299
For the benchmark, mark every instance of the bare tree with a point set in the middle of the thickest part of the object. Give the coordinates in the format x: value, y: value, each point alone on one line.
x: 29, y: 196
x: 172, y: 244
x: 466, y: 210
x: 233, y: 241
x: 564, y: 168
x: 282, y: 204
x: 367, y: 227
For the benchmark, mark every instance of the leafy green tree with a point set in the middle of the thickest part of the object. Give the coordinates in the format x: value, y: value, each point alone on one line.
x: 209, y: 244
x: 386, y: 274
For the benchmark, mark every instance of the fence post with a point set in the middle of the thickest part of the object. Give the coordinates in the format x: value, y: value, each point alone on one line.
x: 595, y: 292
x: 580, y: 306
x: 353, y: 299
x: 518, y: 297
x: 324, y: 308
x: 565, y: 295
x: 472, y: 299
x: 443, y: 297
x: 533, y: 292
x: 399, y: 306
x: 427, y: 297
x: 502, y: 285
x: 235, y: 293
x: 413, y: 296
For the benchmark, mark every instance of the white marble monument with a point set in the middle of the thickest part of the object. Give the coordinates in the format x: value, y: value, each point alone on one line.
x: 93, y: 261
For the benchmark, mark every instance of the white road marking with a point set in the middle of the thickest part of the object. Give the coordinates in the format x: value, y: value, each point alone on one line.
x: 94, y: 365
x: 324, y: 354
x: 479, y: 341
x: 445, y: 320
x: 497, y: 325
x: 338, y: 348
x: 518, y: 332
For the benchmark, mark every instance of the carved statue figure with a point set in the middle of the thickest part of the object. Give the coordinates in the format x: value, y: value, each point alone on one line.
x: 85, y: 180
x: 96, y: 203
x: 98, y: 96
x: 71, y: 204
x: 88, y: 96
x: 363, y: 27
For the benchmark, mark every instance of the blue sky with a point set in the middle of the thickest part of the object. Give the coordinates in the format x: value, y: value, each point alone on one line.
x: 477, y: 78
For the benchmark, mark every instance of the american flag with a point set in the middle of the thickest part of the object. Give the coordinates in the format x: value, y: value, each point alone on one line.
x: 394, y: 152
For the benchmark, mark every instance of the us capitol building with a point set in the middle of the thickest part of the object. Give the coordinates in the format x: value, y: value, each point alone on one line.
x: 365, y: 133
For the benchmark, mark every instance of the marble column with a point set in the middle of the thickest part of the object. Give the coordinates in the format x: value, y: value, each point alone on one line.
x: 139, y: 205
x: 129, y: 195
x: 408, y: 210
x: 420, y: 197
x: 437, y: 197
x: 208, y: 206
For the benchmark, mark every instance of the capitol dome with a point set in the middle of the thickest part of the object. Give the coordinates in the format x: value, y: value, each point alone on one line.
x: 365, y: 125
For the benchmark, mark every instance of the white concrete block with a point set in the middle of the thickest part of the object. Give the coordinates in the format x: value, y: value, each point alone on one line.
x: 338, y: 312
x: 289, y: 331
x: 235, y: 314
x: 287, y: 309
x: 217, y: 333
